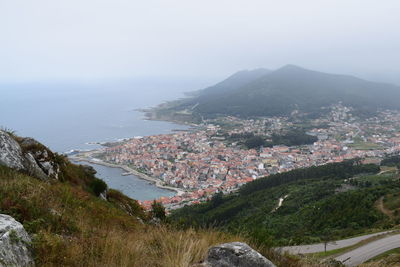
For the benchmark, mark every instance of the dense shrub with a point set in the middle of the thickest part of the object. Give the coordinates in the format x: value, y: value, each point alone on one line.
x: 98, y: 186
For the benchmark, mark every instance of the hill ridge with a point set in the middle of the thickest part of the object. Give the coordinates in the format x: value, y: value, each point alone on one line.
x: 262, y: 92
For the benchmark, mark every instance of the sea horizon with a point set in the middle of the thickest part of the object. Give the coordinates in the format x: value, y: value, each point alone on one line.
x: 67, y: 117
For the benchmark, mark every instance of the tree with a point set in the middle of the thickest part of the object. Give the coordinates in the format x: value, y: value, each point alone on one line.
x: 158, y: 210
x: 216, y: 200
x: 357, y: 161
x: 98, y: 186
x: 397, y: 168
x: 327, y: 237
x: 254, y: 142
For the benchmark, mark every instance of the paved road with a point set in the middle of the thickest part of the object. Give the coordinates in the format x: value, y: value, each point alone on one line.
x: 370, y: 250
x: 331, y: 246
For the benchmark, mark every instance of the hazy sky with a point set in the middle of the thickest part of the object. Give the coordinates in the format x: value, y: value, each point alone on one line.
x: 107, y: 39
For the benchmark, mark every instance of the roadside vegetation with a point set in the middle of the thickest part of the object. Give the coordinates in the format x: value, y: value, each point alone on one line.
x: 388, y: 257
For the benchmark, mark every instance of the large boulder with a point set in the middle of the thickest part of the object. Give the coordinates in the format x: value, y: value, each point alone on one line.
x: 10, y: 152
x: 44, y: 158
x: 235, y: 254
x: 14, y: 244
x: 27, y: 155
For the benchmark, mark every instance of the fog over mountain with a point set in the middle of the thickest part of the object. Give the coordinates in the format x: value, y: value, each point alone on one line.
x: 288, y: 89
x: 103, y: 40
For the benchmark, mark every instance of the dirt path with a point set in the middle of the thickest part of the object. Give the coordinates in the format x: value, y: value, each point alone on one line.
x: 381, y: 207
x: 280, y: 201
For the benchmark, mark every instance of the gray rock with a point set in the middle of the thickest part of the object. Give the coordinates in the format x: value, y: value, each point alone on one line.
x: 32, y: 167
x: 42, y: 155
x: 235, y: 254
x: 14, y: 243
x: 10, y: 152
x: 36, y: 162
x: 89, y: 169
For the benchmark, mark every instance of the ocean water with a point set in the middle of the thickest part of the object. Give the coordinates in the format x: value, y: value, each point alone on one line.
x: 130, y: 185
x: 67, y: 116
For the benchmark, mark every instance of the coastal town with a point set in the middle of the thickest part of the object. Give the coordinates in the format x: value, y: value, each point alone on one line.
x: 203, y: 161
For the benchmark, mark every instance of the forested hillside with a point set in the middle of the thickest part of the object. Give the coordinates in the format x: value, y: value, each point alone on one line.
x: 334, y: 200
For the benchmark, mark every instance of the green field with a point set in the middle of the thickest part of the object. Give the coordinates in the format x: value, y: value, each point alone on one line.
x: 377, y: 179
x: 365, y: 146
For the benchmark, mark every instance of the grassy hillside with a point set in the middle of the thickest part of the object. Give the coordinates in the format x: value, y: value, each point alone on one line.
x: 71, y: 226
x: 330, y: 201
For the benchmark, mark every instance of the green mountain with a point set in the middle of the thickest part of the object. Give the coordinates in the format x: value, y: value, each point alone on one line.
x: 233, y: 82
x: 280, y: 92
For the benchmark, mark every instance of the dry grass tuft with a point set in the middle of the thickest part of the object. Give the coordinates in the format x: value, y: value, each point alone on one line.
x: 148, y: 246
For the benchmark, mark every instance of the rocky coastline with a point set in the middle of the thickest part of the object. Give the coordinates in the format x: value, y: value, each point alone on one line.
x: 154, y: 114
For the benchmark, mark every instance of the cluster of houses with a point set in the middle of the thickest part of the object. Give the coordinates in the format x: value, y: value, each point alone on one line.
x: 203, y: 165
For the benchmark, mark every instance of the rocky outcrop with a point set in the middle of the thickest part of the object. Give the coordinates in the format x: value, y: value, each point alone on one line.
x: 10, y: 152
x: 235, y: 254
x: 28, y: 155
x: 14, y: 243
